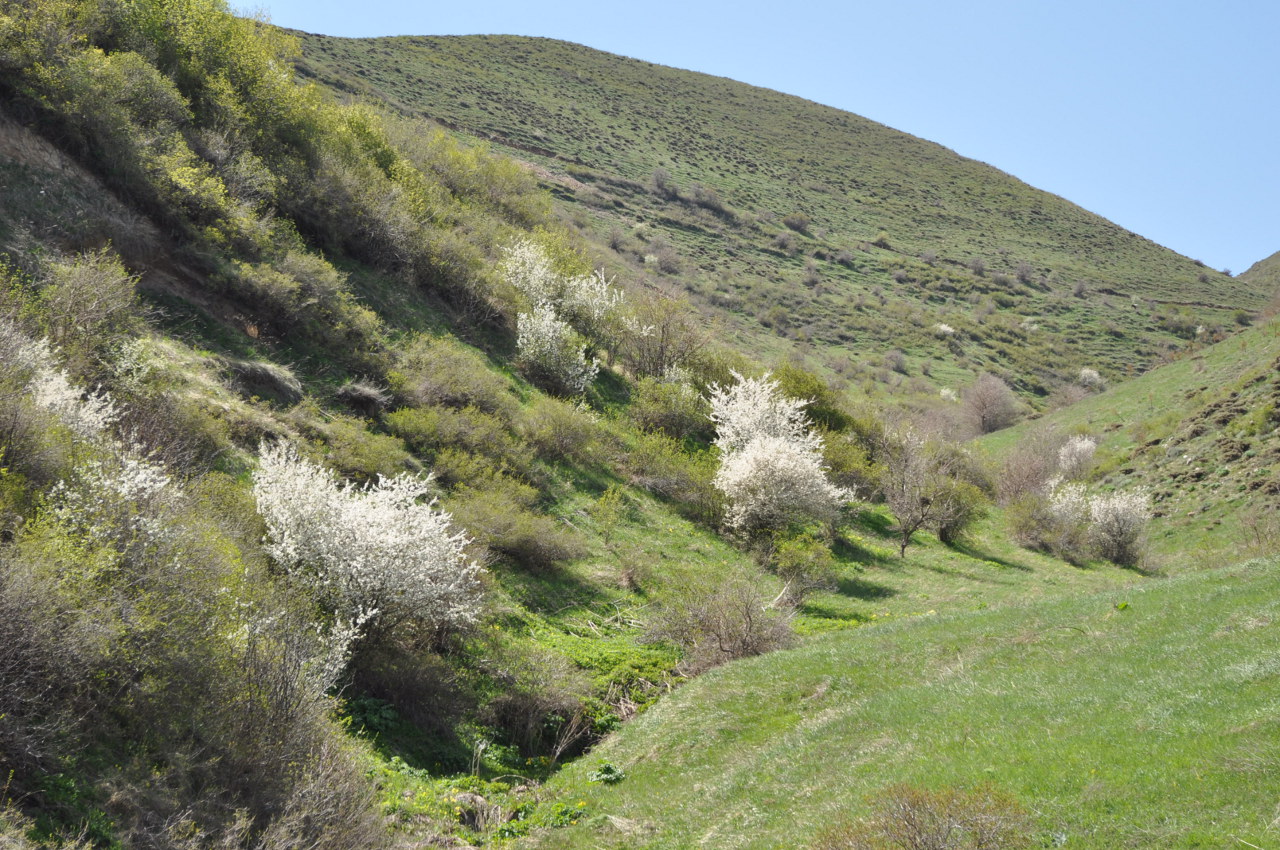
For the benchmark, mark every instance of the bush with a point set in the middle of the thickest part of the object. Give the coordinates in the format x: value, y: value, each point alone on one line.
x: 560, y: 431
x: 805, y: 563
x: 990, y: 403
x: 441, y: 371
x: 905, y: 817
x: 367, y: 552
x: 771, y: 468
x: 670, y: 406
x: 552, y: 354
x: 89, y: 307
x: 717, y: 623
x: 798, y: 221
x: 430, y: 430
x: 1118, y: 524
x: 501, y: 519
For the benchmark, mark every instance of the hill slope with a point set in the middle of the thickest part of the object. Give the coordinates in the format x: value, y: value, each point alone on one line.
x: 1136, y: 719
x: 795, y: 222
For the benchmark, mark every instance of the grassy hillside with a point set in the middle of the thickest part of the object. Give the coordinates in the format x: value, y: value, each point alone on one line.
x: 1138, y: 718
x: 216, y: 277
x: 1202, y: 435
x: 804, y: 230
x: 1264, y: 274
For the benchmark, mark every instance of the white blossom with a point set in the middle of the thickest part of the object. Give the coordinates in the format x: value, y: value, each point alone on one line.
x: 378, y: 548
x: 1090, y: 379
x: 1075, y: 456
x: 1118, y: 523
x: 771, y: 467
x: 772, y: 481
x: 756, y: 407
x: 551, y: 348
x: 88, y: 414
x: 942, y: 329
x: 527, y: 267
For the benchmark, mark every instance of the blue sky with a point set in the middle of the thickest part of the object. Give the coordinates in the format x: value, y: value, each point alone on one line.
x: 1161, y: 116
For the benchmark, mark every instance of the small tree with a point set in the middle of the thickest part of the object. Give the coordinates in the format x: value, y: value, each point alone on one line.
x: 1119, y: 521
x: 771, y: 467
x: 374, y: 551
x: 990, y: 403
x: 923, y: 486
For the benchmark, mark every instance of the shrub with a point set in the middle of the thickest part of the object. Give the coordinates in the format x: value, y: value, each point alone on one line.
x: 441, y: 371
x: 905, y: 817
x: 929, y: 485
x: 716, y: 623
x: 990, y: 403
x: 1118, y: 523
x: 805, y: 563
x: 372, y: 551
x: 552, y: 354
x: 771, y: 468
x: 500, y: 515
x: 662, y: 334
x: 89, y: 307
x: 1091, y: 380
x: 561, y: 431
x: 430, y: 430
x: 671, y: 406
x: 797, y: 221
x: 1076, y: 456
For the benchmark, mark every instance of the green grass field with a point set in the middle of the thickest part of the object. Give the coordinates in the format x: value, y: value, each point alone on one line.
x: 1142, y: 716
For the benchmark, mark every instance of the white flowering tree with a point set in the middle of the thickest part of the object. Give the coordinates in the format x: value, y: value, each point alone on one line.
x: 378, y: 551
x: 570, y: 316
x: 771, y: 468
x: 552, y: 352
x: 1076, y: 456
x: 1118, y: 524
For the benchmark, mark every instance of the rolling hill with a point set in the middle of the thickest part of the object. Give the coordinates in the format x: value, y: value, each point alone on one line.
x: 805, y: 231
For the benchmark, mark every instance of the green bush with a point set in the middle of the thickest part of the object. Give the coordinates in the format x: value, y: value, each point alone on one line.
x: 441, y: 371
x: 428, y: 430
x: 500, y: 517
x: 672, y: 407
x: 560, y: 431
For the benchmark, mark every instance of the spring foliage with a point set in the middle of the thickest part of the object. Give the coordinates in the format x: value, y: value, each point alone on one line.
x: 373, y: 551
x: 771, y: 467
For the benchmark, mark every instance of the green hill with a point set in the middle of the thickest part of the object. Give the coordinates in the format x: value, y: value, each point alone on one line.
x: 1264, y: 275
x: 203, y: 257
x: 807, y: 231
x: 1138, y: 718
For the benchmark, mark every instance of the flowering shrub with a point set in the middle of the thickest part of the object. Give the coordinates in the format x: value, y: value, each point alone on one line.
x: 551, y: 350
x: 585, y: 301
x: 88, y: 414
x: 1118, y: 523
x: 1090, y: 379
x: 377, y: 550
x: 1075, y: 456
x: 771, y: 467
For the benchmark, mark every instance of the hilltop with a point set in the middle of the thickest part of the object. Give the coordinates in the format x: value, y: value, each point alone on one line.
x: 805, y: 231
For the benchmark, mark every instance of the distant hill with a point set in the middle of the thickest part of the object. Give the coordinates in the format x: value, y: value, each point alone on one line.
x: 808, y: 231
x: 1264, y: 275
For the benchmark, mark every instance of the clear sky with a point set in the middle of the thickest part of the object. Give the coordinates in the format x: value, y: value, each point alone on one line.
x: 1161, y: 115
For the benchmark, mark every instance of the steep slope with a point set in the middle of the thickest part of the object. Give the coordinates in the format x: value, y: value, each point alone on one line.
x: 795, y: 223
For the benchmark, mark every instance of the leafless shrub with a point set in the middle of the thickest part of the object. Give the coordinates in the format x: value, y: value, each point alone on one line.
x: 905, y: 817
x: 264, y: 380
x: 720, y: 623
x: 365, y: 398
x: 990, y: 403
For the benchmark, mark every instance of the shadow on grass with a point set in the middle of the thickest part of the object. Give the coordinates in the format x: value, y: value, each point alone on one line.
x: 971, y: 551
x: 860, y: 588
x: 850, y: 551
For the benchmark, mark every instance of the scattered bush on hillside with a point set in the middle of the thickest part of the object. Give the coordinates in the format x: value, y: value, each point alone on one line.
x: 1076, y: 457
x: 670, y: 405
x: 929, y: 484
x: 771, y: 467
x: 441, y: 371
x: 797, y: 221
x: 502, y: 517
x: 560, y: 431
x: 661, y: 334
x: 713, y: 624
x: 990, y: 403
x: 374, y: 553
x: 1091, y: 380
x: 1118, y: 522
x: 906, y: 817
x: 552, y: 353
x: 88, y: 307
x: 805, y: 563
